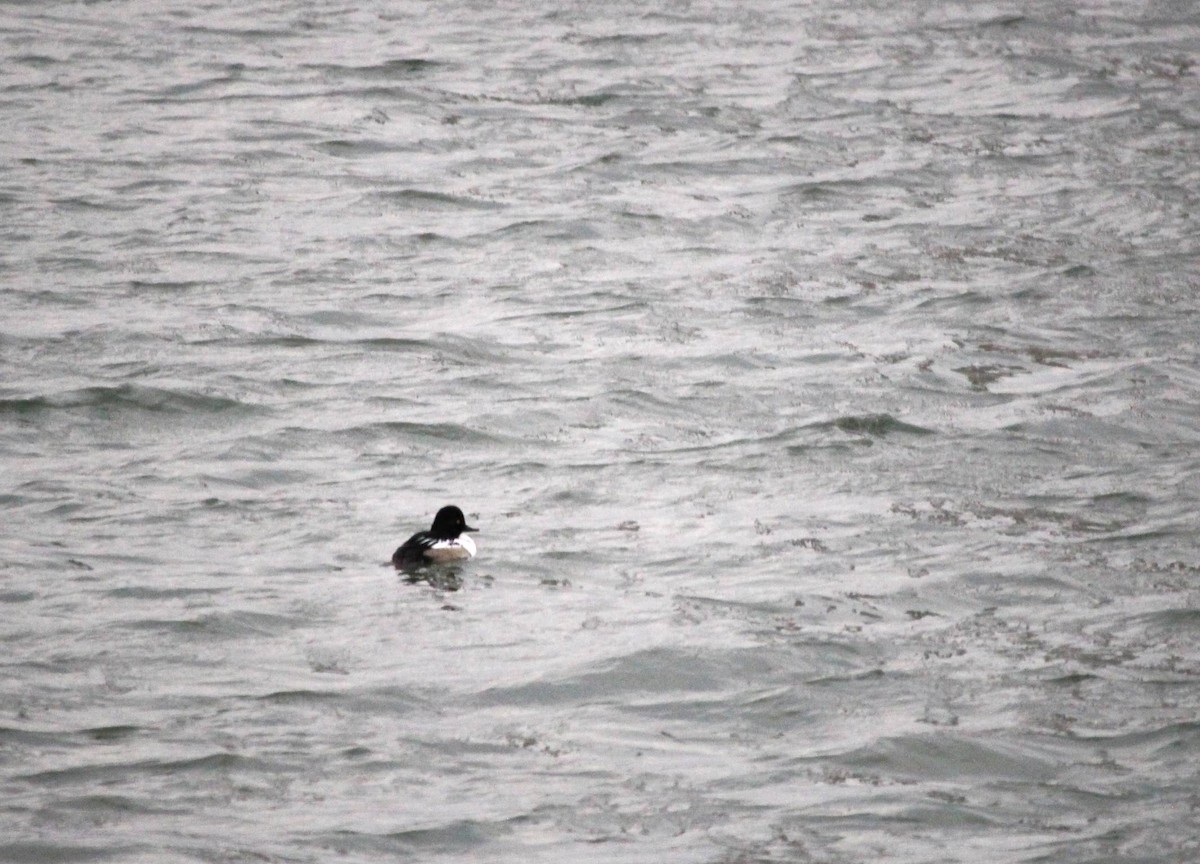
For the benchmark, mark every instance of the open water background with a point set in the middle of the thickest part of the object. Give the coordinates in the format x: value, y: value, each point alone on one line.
x: 823, y: 376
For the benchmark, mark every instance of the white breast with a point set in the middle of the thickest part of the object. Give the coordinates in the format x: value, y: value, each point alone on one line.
x: 451, y: 550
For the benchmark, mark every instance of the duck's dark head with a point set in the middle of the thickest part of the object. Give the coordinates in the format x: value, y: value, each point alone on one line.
x: 449, y: 523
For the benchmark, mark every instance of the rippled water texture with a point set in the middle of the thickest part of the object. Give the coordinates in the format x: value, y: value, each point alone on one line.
x: 823, y: 378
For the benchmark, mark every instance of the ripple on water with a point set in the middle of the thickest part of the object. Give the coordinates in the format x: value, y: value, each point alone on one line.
x: 219, y: 625
x: 115, y: 774
x: 122, y: 401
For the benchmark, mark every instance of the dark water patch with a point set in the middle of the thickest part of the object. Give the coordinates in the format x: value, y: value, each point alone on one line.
x: 1043, y: 355
x: 652, y: 671
x: 451, y: 746
x: 1116, y: 500
x: 291, y: 385
x: 390, y: 699
x: 457, y: 837
x: 400, y: 68
x: 12, y: 736
x: 518, y: 469
x: 108, y: 806
x: 222, y: 625
x: 124, y: 399
x: 425, y: 200
x: 32, y: 852
x: 1176, y: 623
x: 747, y: 609
x: 824, y: 193
x: 820, y: 658
x: 445, y: 580
x: 16, y: 501
x: 755, y: 449
x: 578, y: 312
x: 459, y: 350
x: 603, y: 161
x: 391, y: 344
x: 278, y: 130
x: 595, y: 99
x: 360, y: 148
x: 50, y: 665
x: 403, y: 431
x: 793, y: 308
x: 393, y: 94
x: 164, y: 286
x: 838, y: 434
x: 730, y: 361
x: 301, y: 697
x: 259, y: 35
x: 36, y: 60
x: 1017, y: 519
x: 645, y: 402
x: 858, y: 677
x: 1073, y: 679
x: 17, y: 596
x: 108, y: 734
x: 155, y: 184
x: 432, y: 238
x: 112, y: 773
x: 136, y: 369
x: 346, y: 319
x: 777, y: 709
x: 264, y: 340
x: 945, y: 756
x: 179, y: 92
x: 1000, y: 590
x: 981, y: 376
x: 79, y: 204
x: 1142, y: 536
x: 555, y: 232
x: 250, y: 478
x: 146, y: 592
x: 870, y: 425
x: 113, y: 560
x: 1169, y: 741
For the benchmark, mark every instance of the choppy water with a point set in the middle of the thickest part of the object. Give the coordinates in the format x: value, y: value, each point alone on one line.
x: 823, y: 377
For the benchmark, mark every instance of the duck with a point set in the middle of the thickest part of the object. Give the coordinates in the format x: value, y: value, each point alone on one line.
x: 445, y: 541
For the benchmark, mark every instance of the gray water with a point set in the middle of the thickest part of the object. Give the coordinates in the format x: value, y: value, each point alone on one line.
x: 823, y: 378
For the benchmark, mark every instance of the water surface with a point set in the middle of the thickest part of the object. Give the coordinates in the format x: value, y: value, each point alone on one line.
x: 822, y: 376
